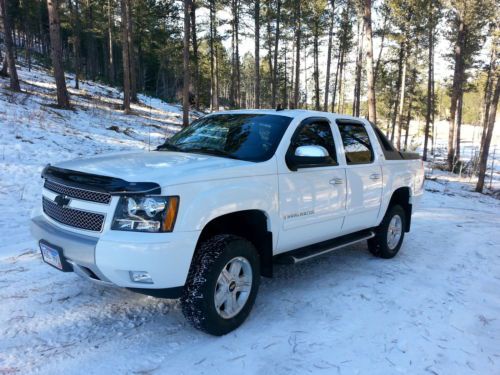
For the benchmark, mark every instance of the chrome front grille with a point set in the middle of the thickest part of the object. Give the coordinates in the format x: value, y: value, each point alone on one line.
x: 72, y: 217
x: 86, y: 195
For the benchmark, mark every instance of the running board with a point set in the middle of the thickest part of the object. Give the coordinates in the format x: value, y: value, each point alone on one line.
x: 313, y: 251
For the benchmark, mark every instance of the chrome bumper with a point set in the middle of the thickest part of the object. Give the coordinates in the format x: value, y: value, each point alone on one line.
x: 78, y: 249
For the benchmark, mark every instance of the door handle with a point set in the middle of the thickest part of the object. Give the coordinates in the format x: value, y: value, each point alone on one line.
x: 336, y: 181
x: 375, y: 176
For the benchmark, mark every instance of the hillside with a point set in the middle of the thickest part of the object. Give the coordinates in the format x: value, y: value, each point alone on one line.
x: 34, y: 133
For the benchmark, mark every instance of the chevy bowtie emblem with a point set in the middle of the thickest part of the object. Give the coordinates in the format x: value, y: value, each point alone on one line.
x: 61, y: 200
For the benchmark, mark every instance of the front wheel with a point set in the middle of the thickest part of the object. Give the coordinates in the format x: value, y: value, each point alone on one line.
x: 222, y: 284
x: 390, y: 234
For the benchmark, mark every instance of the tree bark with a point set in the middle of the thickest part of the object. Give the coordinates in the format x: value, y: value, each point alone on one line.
x: 483, y: 159
x: 257, y: 53
x: 430, y: 77
x: 329, y: 55
x: 298, y: 19
x: 402, y: 94
x: 196, y: 75
x: 316, y: 64
x: 334, y: 91
x: 456, y: 89
x: 187, y: 38
x: 11, y: 61
x: 214, y: 100
x: 131, y: 55
x: 372, y: 105
x: 398, y: 89
x: 56, y: 54
x: 276, y: 46
x: 126, y: 59
x: 358, y: 70
x: 111, y: 65
x: 382, y: 40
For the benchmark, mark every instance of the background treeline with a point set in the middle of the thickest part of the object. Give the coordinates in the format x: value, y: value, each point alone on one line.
x: 315, y: 54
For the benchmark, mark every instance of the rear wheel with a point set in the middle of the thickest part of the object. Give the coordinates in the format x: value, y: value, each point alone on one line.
x: 390, y: 234
x: 222, y: 284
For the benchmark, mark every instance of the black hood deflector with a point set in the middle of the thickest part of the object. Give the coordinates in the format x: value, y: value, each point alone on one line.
x: 105, y: 184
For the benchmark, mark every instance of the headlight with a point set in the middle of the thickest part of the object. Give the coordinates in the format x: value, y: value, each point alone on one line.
x: 146, y: 213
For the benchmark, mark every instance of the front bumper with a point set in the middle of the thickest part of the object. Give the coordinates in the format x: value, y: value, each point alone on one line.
x: 109, y: 258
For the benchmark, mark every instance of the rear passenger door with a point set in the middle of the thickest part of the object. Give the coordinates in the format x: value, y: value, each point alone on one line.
x: 364, y: 176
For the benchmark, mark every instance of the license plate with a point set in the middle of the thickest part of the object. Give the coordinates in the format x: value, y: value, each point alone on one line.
x: 51, y: 255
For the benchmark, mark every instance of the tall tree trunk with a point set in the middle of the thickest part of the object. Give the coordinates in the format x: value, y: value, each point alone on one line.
x: 456, y: 90
x: 111, y: 66
x: 398, y: 89
x: 381, y: 49
x: 459, y: 125
x: 257, y: 53
x: 334, y: 91
x: 75, y: 15
x: 483, y: 159
x: 316, y: 32
x: 488, y: 94
x: 237, y: 55
x: 298, y: 19
x: 11, y: 61
x: 185, y: 55
x: 430, y: 77
x: 56, y: 54
x: 214, y: 100
x: 372, y: 105
x: 132, y: 55
x: 196, y: 75
x: 269, y: 45
x: 341, y: 81
x: 126, y: 59
x: 402, y: 94
x: 329, y: 55
x: 358, y: 70
x: 276, y: 46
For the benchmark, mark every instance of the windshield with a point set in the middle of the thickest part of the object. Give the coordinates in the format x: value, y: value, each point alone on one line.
x: 250, y: 137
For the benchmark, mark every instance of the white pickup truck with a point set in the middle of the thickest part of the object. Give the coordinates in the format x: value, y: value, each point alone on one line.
x: 204, y: 216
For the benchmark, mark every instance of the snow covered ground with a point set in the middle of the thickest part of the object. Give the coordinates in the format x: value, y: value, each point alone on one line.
x: 435, y: 308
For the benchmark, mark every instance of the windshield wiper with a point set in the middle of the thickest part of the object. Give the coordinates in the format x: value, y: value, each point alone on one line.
x: 168, y: 147
x: 210, y: 151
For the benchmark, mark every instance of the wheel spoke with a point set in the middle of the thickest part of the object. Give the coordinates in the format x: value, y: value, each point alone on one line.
x: 220, y: 297
x: 235, y: 269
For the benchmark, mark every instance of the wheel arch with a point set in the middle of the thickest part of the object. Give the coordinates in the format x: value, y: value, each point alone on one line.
x: 253, y: 225
x: 401, y: 196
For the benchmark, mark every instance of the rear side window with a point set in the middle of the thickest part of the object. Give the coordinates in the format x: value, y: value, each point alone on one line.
x: 357, y: 146
x: 318, y: 133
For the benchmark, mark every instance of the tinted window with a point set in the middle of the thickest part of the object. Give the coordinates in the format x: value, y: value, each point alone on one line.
x: 317, y: 134
x: 251, y: 137
x: 358, y: 149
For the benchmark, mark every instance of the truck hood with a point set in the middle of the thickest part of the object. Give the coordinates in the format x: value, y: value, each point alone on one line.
x: 166, y: 167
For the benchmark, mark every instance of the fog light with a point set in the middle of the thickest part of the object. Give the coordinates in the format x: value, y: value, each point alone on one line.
x: 140, y: 277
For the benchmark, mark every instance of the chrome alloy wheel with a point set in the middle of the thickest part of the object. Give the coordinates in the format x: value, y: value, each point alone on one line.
x: 233, y: 287
x: 394, y: 232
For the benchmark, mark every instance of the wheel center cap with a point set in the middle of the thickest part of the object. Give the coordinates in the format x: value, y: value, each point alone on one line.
x: 232, y: 286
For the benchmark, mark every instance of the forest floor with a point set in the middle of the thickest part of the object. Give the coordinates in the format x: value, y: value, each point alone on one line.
x: 434, y: 309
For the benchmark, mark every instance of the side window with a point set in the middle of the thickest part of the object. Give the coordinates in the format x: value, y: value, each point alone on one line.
x: 357, y: 146
x: 316, y: 134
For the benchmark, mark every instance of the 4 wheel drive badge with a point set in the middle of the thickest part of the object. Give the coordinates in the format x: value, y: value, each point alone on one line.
x: 62, y: 200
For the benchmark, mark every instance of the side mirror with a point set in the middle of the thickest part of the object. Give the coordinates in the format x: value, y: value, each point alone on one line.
x: 308, y: 157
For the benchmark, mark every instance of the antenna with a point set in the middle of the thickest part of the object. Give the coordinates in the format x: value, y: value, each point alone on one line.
x: 149, y: 126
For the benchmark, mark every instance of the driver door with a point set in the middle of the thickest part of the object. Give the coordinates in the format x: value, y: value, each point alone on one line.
x: 312, y: 199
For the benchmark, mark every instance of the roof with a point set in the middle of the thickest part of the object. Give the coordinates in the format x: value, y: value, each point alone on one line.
x: 293, y: 113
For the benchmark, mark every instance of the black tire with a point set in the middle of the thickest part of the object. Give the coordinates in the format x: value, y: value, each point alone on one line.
x: 378, y: 245
x: 198, y: 305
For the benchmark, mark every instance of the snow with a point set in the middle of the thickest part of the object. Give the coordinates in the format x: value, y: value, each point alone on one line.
x: 435, y: 308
